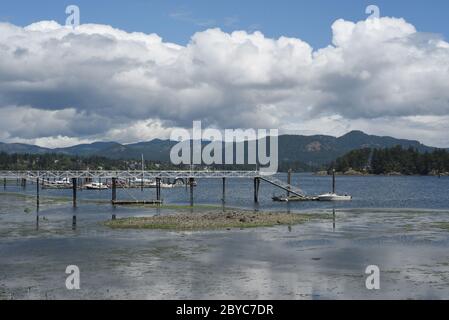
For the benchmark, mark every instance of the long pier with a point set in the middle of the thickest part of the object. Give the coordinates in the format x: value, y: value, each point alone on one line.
x: 126, y: 175
x: 115, y: 177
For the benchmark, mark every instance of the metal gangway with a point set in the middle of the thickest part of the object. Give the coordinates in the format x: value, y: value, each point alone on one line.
x: 283, y: 185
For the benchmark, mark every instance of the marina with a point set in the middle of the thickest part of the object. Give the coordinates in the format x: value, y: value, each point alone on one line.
x: 103, y: 180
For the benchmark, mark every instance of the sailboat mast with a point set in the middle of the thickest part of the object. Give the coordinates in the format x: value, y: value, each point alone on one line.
x: 143, y: 174
x: 333, y: 181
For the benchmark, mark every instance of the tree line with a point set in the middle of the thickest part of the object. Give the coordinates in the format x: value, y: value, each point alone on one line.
x: 58, y: 161
x: 394, y: 160
x: 50, y: 161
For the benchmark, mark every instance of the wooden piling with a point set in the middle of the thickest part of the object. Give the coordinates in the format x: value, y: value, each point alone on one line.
x: 191, y: 191
x: 114, y: 189
x: 37, y: 193
x: 289, y: 181
x: 74, y: 191
x: 224, y: 190
x: 158, y: 189
x: 4, y: 183
x: 333, y: 180
x: 256, y: 189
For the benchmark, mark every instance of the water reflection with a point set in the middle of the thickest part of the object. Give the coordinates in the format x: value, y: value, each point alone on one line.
x: 37, y: 219
x: 74, y: 218
x: 333, y: 218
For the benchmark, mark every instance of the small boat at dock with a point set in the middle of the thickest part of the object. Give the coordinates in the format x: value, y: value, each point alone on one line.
x: 59, y: 184
x: 334, y: 197
x: 96, y: 186
x: 146, y: 183
x: 280, y: 199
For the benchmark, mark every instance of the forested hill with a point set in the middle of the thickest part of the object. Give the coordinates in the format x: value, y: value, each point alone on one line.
x: 295, y: 151
x: 407, y: 161
x: 367, y: 160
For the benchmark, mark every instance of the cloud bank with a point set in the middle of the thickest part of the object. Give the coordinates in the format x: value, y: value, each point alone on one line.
x: 60, y: 86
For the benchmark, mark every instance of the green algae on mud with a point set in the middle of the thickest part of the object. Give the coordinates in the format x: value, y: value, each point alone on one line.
x: 173, y: 206
x: 213, y: 220
x: 441, y: 225
x: 52, y: 199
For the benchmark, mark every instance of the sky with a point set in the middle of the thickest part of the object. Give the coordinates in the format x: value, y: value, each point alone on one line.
x: 135, y: 70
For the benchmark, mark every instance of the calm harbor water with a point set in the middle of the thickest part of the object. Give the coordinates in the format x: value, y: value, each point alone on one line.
x: 368, y: 192
x: 400, y: 224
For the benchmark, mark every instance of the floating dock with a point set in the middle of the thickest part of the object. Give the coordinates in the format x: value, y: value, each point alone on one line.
x: 295, y: 199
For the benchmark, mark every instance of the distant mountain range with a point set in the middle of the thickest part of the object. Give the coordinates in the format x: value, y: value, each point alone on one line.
x: 310, y: 150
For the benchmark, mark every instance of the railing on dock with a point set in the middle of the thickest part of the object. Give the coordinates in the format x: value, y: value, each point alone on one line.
x: 126, y: 174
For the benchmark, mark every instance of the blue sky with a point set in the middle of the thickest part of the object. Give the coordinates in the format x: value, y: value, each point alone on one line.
x: 176, y: 21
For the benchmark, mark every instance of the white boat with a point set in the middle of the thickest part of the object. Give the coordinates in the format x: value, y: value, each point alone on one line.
x: 334, y: 197
x: 96, y: 186
x: 65, y: 181
x: 59, y: 184
x: 147, y: 183
x: 167, y: 185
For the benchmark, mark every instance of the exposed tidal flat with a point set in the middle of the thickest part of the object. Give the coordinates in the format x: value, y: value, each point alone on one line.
x: 212, y: 220
x: 397, y: 223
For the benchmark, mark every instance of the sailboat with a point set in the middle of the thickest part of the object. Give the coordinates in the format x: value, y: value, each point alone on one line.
x: 333, y: 196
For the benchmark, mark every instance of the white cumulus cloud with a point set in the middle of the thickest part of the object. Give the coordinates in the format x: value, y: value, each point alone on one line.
x: 59, y: 85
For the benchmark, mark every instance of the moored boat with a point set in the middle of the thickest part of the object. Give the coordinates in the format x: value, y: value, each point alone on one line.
x: 280, y: 198
x: 96, y: 186
x: 59, y: 184
x: 334, y: 197
x: 147, y: 183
